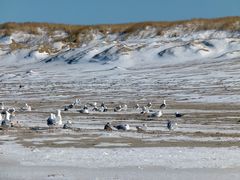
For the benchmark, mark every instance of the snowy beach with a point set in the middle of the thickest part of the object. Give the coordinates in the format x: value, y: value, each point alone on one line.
x: 196, y: 73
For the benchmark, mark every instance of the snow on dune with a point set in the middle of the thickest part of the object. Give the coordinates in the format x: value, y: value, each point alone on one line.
x: 142, y: 48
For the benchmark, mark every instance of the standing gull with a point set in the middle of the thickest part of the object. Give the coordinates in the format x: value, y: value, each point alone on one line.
x: 59, y: 117
x: 103, y: 108
x: 149, y: 105
x: 6, y: 122
x: 51, y: 121
x: 2, y: 106
x: 137, y: 106
x: 164, y: 105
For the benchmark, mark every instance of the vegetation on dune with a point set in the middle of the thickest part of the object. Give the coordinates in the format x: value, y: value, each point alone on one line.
x: 225, y: 23
x: 79, y: 33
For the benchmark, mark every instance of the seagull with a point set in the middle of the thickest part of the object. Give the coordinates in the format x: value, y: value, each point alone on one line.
x: 171, y: 125
x: 177, y: 114
x: 137, y: 106
x: 84, y: 110
x: 124, y: 107
x: 149, y: 105
x: 144, y: 110
x: 118, y: 108
x: 95, y: 108
x: 77, y: 101
x: 164, y: 105
x: 70, y: 106
x: 156, y: 114
x: 12, y: 112
x: 26, y: 107
x: 67, y: 125
x: 6, y: 123
x: 59, y: 117
x: 123, y: 127
x: 103, y: 109
x: 142, y: 128
x: 108, y: 127
x: 103, y: 104
x: 2, y: 106
x: 93, y: 104
x: 51, y: 121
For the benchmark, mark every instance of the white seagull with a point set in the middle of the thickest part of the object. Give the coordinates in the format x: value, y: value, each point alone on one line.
x: 59, y: 117
x: 6, y: 122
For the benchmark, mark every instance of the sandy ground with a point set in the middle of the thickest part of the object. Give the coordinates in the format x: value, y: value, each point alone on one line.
x: 209, y: 100
x: 39, y: 173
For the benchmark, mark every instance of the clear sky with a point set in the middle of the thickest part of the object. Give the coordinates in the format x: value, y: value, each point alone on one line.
x: 113, y: 11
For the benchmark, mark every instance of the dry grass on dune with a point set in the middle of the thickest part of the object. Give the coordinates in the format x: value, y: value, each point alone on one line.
x: 76, y: 32
x: 225, y: 23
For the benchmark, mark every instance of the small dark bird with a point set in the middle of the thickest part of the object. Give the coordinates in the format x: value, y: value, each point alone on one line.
x: 21, y: 86
x: 108, y: 127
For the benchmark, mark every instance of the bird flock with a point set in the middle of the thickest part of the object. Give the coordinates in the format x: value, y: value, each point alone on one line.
x: 7, y: 115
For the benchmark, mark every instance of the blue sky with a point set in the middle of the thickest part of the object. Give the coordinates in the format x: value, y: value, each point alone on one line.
x: 113, y: 11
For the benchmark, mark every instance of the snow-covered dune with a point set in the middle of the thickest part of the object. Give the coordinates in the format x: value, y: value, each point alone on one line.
x: 142, y: 47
